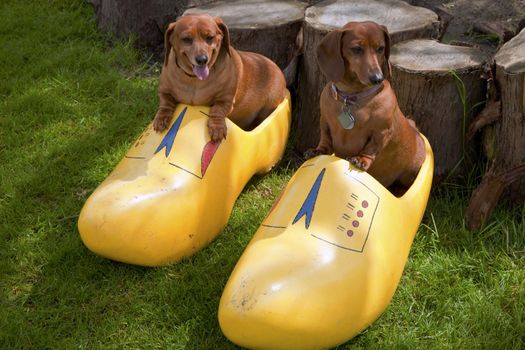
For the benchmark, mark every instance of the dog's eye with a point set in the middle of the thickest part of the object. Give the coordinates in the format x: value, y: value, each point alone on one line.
x: 380, y: 49
x: 187, y: 40
x: 357, y: 50
x: 209, y: 39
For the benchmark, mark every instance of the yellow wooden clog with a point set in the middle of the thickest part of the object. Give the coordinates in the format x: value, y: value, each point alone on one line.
x: 326, y: 261
x: 173, y: 192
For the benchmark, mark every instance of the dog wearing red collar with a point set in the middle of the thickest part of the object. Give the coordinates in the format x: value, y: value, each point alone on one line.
x: 360, y: 117
x: 202, y: 68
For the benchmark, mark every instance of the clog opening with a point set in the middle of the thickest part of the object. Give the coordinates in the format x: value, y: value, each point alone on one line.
x: 399, y: 190
x: 265, y: 116
x: 425, y: 170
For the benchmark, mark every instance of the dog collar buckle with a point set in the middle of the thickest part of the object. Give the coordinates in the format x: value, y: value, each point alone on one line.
x: 335, y: 95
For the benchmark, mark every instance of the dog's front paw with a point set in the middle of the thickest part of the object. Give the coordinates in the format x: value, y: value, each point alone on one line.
x: 161, y: 121
x: 217, y: 128
x: 360, y: 162
x: 311, y: 153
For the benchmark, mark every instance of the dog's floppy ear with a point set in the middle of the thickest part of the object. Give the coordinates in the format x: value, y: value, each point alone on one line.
x: 387, y: 71
x: 167, y: 42
x: 225, y: 44
x: 330, y: 57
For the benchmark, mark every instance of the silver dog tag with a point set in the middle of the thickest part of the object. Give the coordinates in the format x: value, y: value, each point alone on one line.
x: 346, y: 119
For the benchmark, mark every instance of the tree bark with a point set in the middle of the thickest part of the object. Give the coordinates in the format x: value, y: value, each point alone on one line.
x: 272, y: 28
x: 146, y: 19
x: 402, y: 20
x: 510, y: 132
x: 438, y: 85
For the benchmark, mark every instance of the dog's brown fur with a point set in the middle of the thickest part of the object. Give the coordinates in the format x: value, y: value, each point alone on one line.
x: 243, y: 86
x: 382, y: 142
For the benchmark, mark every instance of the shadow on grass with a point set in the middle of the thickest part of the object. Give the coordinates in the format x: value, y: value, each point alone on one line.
x: 62, y: 295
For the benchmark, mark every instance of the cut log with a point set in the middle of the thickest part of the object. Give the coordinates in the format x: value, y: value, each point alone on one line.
x: 147, y: 20
x: 438, y: 85
x: 402, y: 20
x: 507, y: 170
x: 272, y: 28
x: 510, y: 132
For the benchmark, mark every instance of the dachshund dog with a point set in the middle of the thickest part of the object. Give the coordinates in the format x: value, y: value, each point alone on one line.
x: 360, y: 117
x: 202, y: 68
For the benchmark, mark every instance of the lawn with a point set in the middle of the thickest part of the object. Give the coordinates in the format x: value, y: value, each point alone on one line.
x: 71, y: 104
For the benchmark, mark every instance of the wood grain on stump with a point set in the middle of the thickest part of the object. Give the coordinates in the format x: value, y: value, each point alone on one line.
x: 510, y: 132
x: 147, y: 20
x: 427, y: 77
x: 272, y: 28
x: 402, y: 20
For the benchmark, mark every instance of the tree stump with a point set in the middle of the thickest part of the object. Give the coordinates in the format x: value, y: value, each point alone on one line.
x: 438, y: 85
x: 510, y: 132
x: 146, y: 19
x: 496, y: 19
x: 402, y: 20
x: 272, y: 28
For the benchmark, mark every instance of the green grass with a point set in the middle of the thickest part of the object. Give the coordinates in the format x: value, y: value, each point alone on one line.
x: 70, y: 106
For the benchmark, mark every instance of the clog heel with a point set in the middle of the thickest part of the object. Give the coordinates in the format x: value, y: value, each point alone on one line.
x: 326, y: 261
x: 173, y: 192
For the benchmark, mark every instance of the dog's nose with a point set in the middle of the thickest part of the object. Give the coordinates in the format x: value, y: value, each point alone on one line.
x: 376, y: 78
x: 201, y: 59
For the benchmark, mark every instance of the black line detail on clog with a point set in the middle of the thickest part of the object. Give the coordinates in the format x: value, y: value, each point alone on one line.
x: 337, y: 245
x: 371, y: 220
x: 272, y: 226
x: 186, y: 170
x: 352, y: 207
x: 129, y: 157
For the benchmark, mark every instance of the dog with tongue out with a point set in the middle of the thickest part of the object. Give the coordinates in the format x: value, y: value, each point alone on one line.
x: 202, y: 68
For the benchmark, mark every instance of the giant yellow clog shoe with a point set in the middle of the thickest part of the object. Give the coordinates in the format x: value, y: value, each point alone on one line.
x: 173, y: 192
x: 326, y: 260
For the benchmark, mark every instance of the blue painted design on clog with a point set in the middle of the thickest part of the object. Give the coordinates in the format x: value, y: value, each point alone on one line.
x: 307, y: 209
x: 167, y: 141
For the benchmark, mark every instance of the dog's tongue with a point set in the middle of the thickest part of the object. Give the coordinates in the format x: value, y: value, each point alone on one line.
x: 201, y: 72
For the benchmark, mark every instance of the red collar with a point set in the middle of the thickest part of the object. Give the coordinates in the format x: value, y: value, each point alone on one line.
x: 355, y: 98
x: 189, y: 75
